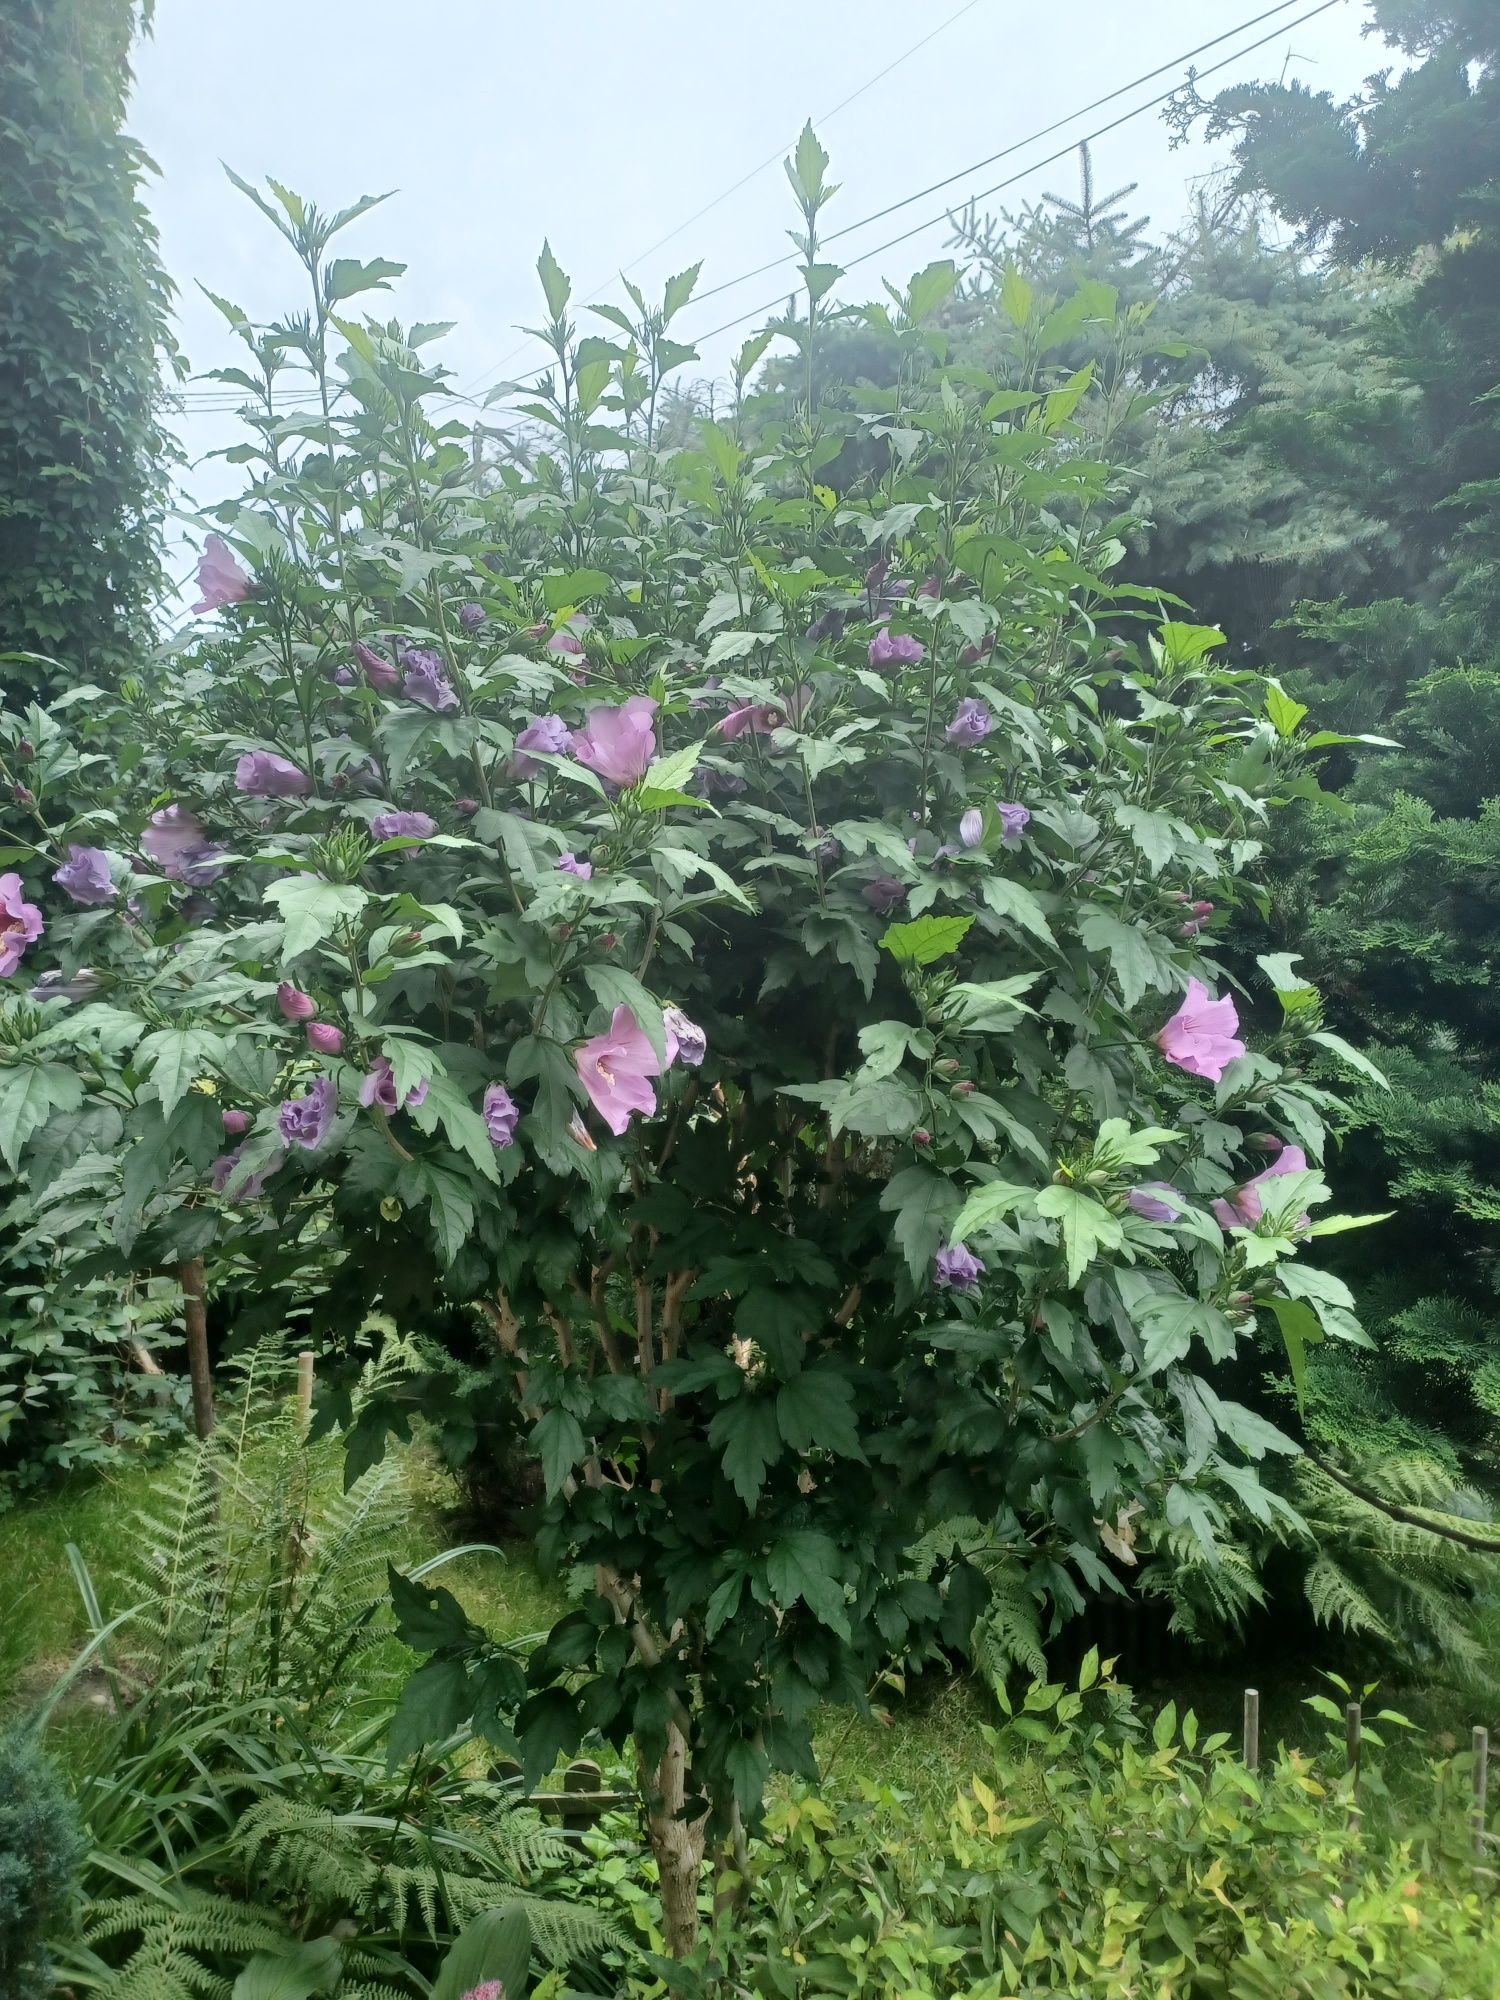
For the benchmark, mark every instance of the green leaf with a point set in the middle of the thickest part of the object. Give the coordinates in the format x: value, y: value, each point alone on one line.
x: 1284, y: 713
x: 925, y: 940
x: 494, y: 1946
x: 986, y: 1206
x: 804, y: 1566
x: 815, y: 1412
x: 1016, y: 904
x: 574, y: 587
x: 925, y: 1204
x: 556, y: 287
x: 347, y: 276
x: 1087, y: 1226
x: 1346, y: 1054
x: 750, y: 1437
x: 1171, y: 1320
x: 557, y: 1438
x: 176, y: 1056
x: 1336, y: 1225
x: 1136, y: 959
x: 296, y: 1974
x: 1015, y: 297
x: 929, y: 288
x: 449, y: 1206
x: 28, y: 1095
x: 312, y: 909
x: 1300, y: 1329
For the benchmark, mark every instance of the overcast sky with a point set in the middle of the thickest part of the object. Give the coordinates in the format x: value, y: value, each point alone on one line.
x: 606, y: 129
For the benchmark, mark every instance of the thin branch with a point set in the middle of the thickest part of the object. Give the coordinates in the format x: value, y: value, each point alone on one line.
x: 1443, y: 1529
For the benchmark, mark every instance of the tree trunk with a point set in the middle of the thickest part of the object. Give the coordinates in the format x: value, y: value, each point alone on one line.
x: 677, y: 1844
x: 195, y: 1320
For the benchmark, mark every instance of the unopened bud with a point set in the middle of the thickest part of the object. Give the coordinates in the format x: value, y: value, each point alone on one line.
x: 1203, y: 909
x: 25, y: 750
x: 921, y: 1137
x: 1177, y: 895
x: 565, y: 931
x: 964, y: 1088
x: 1242, y: 1299
x: 949, y: 1066
x: 22, y: 796
x: 1265, y: 1142
x: 608, y: 941
x: 1097, y: 1178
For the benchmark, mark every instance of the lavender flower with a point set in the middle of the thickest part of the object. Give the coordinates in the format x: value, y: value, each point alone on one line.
x: 548, y: 733
x: 571, y: 865
x: 901, y: 651
x: 501, y: 1114
x: 884, y: 894
x: 20, y: 924
x: 305, y: 1121
x: 261, y: 774
x: 971, y: 827
x: 379, y: 1088
x: 1014, y: 821
x: 402, y: 826
x: 685, y: 1039
x: 957, y: 1269
x: 85, y: 876
x: 971, y: 723
x: 1147, y: 1201
x: 471, y: 616
x: 220, y: 577
x: 425, y: 682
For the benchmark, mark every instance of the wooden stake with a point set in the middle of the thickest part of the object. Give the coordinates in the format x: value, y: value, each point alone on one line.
x: 1352, y: 1742
x: 583, y: 1776
x: 1252, y: 1729
x: 1481, y: 1740
x: 304, y: 1387
x: 195, y: 1324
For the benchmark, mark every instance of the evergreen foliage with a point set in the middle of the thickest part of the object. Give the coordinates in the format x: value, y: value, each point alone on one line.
x: 40, y: 1850
x: 83, y: 333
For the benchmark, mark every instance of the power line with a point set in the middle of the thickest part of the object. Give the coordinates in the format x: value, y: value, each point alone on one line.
x: 1035, y: 167
x: 770, y: 160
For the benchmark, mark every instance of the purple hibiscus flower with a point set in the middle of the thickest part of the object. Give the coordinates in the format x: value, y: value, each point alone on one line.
x: 884, y: 894
x: 402, y: 826
x: 261, y: 774
x: 20, y: 924
x: 900, y: 651
x: 425, y: 681
x: 1148, y: 1201
x: 222, y: 1172
x: 378, y: 670
x: 956, y: 1269
x: 305, y: 1121
x: 501, y: 1114
x: 971, y: 722
x: 175, y: 841
x: 295, y: 1005
x: 615, y: 1068
x: 548, y: 733
x: 686, y: 1041
x: 571, y: 865
x: 618, y: 742
x: 471, y: 616
x: 379, y: 1088
x: 1014, y: 820
x: 85, y: 876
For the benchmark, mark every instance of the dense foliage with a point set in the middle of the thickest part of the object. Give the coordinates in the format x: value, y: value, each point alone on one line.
x: 40, y: 1849
x: 1099, y: 1856
x: 706, y: 952
x: 83, y: 329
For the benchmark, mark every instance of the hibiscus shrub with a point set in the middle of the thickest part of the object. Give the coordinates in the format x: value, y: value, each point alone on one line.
x: 706, y: 954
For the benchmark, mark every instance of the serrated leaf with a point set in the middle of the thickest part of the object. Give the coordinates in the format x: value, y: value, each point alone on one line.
x: 803, y: 1566
x: 312, y: 909
x: 925, y: 939
x: 988, y: 1205
x: 556, y: 286
x: 750, y: 1437
x: 1087, y: 1226
x: 557, y: 1438
x: 815, y: 1411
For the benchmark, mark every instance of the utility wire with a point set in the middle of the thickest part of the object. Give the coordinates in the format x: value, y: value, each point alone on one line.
x: 1010, y: 181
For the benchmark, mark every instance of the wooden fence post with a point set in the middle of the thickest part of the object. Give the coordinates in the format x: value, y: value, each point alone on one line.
x: 1353, y: 1735
x: 1481, y: 1741
x: 195, y: 1326
x: 1252, y: 1729
x: 305, y: 1387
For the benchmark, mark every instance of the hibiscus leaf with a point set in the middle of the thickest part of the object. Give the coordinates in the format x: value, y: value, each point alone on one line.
x: 312, y: 909
x: 814, y: 1412
x: 804, y: 1566
x: 926, y: 940
x: 28, y: 1094
x: 1087, y: 1226
x: 750, y: 1436
x: 557, y: 1439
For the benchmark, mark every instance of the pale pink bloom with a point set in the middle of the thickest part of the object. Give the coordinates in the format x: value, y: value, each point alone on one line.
x: 1244, y: 1207
x: 614, y: 1069
x: 618, y: 742
x: 20, y: 924
x: 220, y: 577
x: 1200, y: 1037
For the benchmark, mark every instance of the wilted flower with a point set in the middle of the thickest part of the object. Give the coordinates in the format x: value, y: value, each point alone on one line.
x: 1147, y: 1201
x: 402, y: 826
x: 685, y: 1039
x: 379, y: 1088
x: 344, y: 677
x: 220, y: 577
x: 264, y: 775
x: 931, y: 586
x: 20, y: 924
x: 83, y: 985
x: 971, y: 827
x: 175, y: 841
x: 884, y: 894
x: 571, y: 865
x: 425, y: 682
x: 501, y: 1114
x: 544, y: 732
x: 85, y: 876
x: 223, y: 1170
x: 727, y: 784
x: 618, y: 742
x: 305, y: 1121
x: 956, y: 1269
x: 901, y: 651
x: 471, y: 616
x: 1243, y: 1206
x: 236, y: 1122
x: 972, y: 655
x: 1200, y: 1036
x: 579, y: 1131
x: 614, y: 1069
x: 971, y: 722
x: 324, y: 1038
x: 378, y: 670
x: 829, y: 626
x: 295, y: 1005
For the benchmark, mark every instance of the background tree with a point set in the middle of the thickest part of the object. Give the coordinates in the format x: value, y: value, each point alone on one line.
x: 83, y: 339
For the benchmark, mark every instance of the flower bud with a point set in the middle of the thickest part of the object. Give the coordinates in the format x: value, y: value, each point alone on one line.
x: 608, y: 941
x: 921, y: 1137
x: 236, y: 1122
x: 1203, y: 909
x: 466, y: 808
x: 565, y: 931
x: 471, y: 616
x: 1265, y: 1142
x: 324, y: 1038
x: 295, y: 1005
x: 964, y: 1089
x: 22, y: 796
x: 1177, y: 895
x: 25, y: 750
x: 949, y: 1066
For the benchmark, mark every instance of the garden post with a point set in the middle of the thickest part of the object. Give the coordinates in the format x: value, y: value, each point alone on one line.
x: 195, y: 1324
